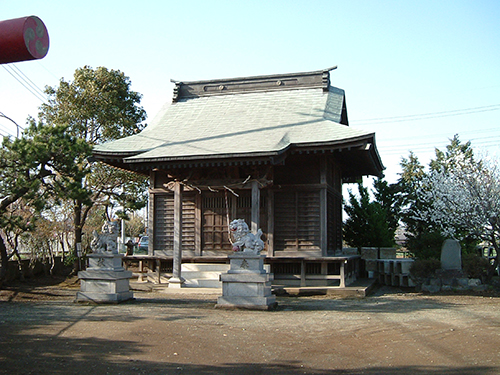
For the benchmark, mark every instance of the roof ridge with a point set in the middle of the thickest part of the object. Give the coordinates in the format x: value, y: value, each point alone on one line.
x: 238, y: 85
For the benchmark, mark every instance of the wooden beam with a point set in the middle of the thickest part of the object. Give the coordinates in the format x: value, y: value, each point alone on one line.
x: 255, y: 206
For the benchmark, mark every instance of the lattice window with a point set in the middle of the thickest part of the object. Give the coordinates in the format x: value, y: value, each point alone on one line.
x: 215, y: 233
x: 164, y: 222
x: 297, y: 221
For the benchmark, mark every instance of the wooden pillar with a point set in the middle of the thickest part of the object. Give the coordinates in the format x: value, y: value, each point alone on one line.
x: 198, y: 226
x: 324, y: 207
x: 176, y: 280
x: 255, y: 207
x: 158, y: 270
x: 151, y: 230
x: 303, y: 274
x: 270, y: 223
x: 342, y: 273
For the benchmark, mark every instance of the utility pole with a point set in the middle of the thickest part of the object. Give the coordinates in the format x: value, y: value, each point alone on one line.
x: 15, y: 123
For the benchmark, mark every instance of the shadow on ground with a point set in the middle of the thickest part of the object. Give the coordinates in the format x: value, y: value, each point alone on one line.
x: 39, y: 354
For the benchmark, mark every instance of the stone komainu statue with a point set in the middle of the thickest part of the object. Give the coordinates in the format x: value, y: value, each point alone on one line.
x: 244, y: 240
x: 107, y: 240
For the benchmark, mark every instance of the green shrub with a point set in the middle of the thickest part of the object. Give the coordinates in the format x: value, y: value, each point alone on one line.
x: 424, y: 268
x: 474, y: 266
x: 426, y: 245
x: 70, y: 260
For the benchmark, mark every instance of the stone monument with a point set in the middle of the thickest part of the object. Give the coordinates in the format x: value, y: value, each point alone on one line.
x: 451, y: 255
x: 105, y: 280
x: 247, y: 284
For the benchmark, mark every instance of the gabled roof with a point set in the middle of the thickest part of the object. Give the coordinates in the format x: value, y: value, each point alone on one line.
x: 244, y: 118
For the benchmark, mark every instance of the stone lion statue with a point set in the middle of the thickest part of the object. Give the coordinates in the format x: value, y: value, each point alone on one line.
x: 244, y: 240
x: 107, y: 240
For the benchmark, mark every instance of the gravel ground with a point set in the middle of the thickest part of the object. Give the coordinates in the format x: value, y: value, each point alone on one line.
x: 42, y: 331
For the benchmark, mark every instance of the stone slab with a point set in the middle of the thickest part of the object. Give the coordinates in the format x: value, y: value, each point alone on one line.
x: 387, y: 253
x: 242, y: 262
x: 371, y: 265
x: 369, y: 253
x: 103, y: 297
x: 257, y: 303
x: 104, y: 286
x: 451, y: 255
x: 246, y: 289
x: 104, y: 274
x: 247, y: 277
x: 105, y: 261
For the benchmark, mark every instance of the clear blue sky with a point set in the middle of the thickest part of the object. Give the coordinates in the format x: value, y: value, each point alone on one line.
x: 414, y: 72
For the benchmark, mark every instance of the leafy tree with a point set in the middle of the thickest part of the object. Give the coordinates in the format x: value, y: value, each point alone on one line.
x: 32, y: 167
x: 372, y: 223
x: 465, y: 200
x: 425, y: 235
x: 97, y: 106
x: 424, y: 240
x: 135, y: 226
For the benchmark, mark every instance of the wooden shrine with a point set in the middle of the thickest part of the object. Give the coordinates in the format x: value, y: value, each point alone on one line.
x: 273, y: 150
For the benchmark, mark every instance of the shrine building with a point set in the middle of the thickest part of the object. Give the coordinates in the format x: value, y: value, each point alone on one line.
x: 273, y: 150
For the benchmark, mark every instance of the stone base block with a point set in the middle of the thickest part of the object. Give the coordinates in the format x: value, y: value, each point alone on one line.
x: 104, y: 286
x: 97, y: 297
x: 105, y: 275
x: 369, y: 253
x: 387, y: 253
x: 242, y: 262
x: 105, y: 261
x: 105, y: 281
x: 251, y: 303
x: 371, y: 265
x: 246, y: 284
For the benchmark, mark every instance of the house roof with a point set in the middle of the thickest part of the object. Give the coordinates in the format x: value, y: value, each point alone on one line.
x: 245, y: 118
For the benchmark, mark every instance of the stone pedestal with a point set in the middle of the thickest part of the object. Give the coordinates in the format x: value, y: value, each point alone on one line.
x: 247, y: 284
x: 105, y: 280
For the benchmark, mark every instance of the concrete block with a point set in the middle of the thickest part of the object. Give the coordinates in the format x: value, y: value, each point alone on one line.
x: 369, y: 253
x: 387, y: 253
x: 402, y: 266
x: 371, y: 265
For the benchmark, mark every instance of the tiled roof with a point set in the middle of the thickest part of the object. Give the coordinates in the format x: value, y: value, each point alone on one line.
x: 241, y: 123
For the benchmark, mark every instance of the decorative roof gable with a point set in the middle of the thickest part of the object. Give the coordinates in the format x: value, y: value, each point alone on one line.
x: 196, y: 89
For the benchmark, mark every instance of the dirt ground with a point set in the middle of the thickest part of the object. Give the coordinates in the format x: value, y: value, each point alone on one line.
x: 42, y: 331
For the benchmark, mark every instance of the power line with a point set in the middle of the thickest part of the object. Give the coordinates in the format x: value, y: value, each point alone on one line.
x: 428, y: 142
x: 26, y: 85
x: 4, y: 128
x: 27, y: 79
x: 426, y: 116
x: 431, y: 146
x: 47, y: 70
